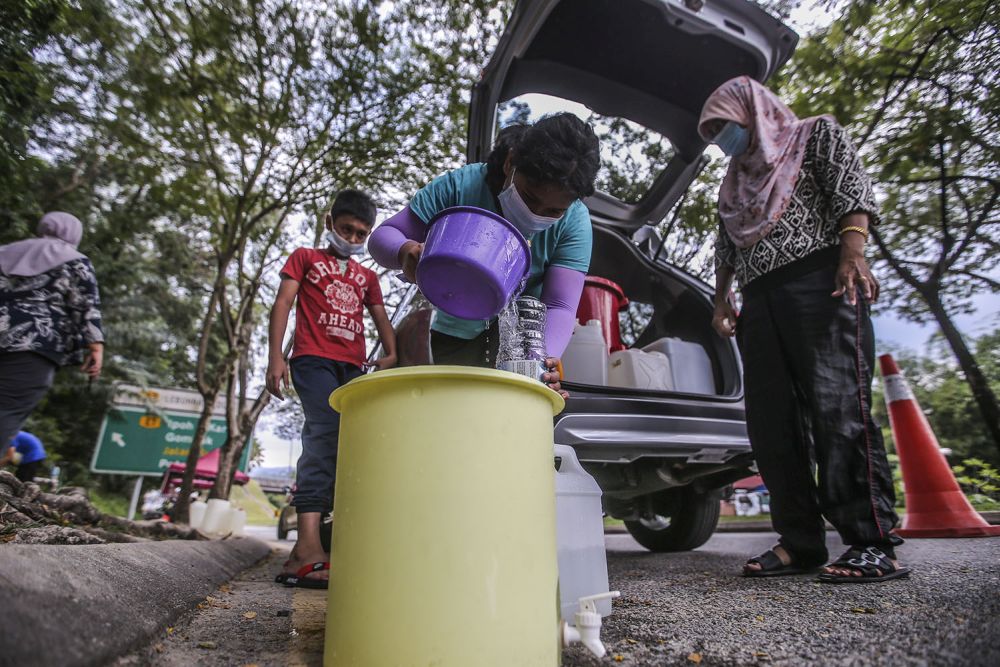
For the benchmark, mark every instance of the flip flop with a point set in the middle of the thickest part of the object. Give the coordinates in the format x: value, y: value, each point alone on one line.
x: 300, y: 580
x: 281, y: 576
x: 771, y: 566
x: 873, y: 564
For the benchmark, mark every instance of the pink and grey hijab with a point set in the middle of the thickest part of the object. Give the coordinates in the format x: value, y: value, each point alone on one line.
x: 759, y: 183
x: 59, y: 234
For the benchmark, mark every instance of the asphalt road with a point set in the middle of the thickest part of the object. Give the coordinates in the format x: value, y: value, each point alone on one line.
x: 684, y: 608
x: 676, y: 609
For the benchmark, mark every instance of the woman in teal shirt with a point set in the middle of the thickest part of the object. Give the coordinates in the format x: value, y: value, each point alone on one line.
x: 534, y: 177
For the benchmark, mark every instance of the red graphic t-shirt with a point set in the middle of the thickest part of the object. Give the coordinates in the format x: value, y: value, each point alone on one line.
x: 328, y: 311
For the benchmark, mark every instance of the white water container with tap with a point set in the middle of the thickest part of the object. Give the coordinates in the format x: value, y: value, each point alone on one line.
x: 583, y: 562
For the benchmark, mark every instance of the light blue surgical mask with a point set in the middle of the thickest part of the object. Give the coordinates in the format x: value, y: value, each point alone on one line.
x: 342, y: 245
x: 518, y: 213
x: 732, y: 139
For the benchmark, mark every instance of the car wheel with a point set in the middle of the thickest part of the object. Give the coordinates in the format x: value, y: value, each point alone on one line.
x: 283, y: 522
x: 687, y: 525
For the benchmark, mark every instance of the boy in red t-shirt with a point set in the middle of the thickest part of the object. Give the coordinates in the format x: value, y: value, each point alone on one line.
x: 328, y: 350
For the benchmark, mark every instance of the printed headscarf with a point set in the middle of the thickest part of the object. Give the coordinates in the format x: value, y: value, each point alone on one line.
x: 759, y: 183
x: 59, y: 235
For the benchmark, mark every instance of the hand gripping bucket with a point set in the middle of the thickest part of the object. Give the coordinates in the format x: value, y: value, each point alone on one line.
x: 472, y: 262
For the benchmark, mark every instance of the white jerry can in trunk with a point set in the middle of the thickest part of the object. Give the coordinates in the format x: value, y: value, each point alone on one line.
x: 583, y: 562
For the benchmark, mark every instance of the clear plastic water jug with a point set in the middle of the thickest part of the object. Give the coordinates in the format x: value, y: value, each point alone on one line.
x: 586, y: 357
x: 583, y: 563
x: 690, y: 365
x: 637, y: 369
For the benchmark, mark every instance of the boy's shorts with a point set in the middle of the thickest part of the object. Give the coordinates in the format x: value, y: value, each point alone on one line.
x: 315, y: 378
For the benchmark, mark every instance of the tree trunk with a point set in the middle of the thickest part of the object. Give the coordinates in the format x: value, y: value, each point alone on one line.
x: 228, y: 463
x: 981, y: 392
x: 183, y: 504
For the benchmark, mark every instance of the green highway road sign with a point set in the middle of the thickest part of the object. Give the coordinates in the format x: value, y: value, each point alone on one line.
x: 136, y: 440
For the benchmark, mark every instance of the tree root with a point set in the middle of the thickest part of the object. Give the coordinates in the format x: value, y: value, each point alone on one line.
x: 70, y: 518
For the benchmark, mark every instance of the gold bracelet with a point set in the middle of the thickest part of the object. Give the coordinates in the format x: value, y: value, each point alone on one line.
x: 854, y: 228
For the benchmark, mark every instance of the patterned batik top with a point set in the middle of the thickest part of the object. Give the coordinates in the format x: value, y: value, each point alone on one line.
x: 832, y: 183
x: 56, y: 313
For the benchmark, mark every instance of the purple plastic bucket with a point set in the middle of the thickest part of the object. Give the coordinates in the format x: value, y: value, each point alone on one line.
x: 472, y: 262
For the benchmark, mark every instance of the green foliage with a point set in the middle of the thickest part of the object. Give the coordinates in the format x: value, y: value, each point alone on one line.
x: 980, y: 481
x: 945, y: 398
x: 109, y: 502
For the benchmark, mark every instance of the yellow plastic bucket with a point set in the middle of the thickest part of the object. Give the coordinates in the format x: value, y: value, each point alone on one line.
x: 444, y: 548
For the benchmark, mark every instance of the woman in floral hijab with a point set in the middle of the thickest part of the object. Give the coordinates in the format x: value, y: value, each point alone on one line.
x: 49, y: 317
x: 795, y: 207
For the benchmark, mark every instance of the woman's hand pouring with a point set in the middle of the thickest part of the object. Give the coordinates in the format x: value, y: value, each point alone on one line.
x: 409, y: 256
x: 553, y: 376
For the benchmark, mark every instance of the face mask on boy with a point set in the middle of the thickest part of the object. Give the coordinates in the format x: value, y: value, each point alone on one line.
x: 518, y: 213
x: 342, y: 245
x: 732, y: 139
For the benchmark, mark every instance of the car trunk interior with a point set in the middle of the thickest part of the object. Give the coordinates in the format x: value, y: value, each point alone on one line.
x: 663, y: 304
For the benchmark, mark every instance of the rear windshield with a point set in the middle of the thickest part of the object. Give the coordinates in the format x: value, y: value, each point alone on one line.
x: 632, y: 156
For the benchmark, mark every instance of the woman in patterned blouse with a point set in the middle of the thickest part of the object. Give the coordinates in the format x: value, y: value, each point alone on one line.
x: 49, y: 317
x: 795, y: 208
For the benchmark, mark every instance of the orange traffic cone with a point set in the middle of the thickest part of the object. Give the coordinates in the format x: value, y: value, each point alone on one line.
x: 935, y: 505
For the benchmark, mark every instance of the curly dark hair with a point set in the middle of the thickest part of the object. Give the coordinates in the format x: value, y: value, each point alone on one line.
x: 560, y: 149
x: 507, y: 138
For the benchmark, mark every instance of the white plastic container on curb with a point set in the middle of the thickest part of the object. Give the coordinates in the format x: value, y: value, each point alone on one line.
x: 216, y: 521
x: 237, y: 521
x: 586, y: 357
x: 583, y: 563
x: 196, y: 514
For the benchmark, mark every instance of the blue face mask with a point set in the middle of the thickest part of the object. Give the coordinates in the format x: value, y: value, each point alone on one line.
x: 732, y: 139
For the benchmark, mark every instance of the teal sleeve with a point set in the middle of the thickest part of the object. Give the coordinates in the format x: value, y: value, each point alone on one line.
x: 574, y: 245
x: 441, y: 193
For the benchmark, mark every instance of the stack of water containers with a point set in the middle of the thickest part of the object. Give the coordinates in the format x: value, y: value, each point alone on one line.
x: 667, y: 364
x: 217, y: 518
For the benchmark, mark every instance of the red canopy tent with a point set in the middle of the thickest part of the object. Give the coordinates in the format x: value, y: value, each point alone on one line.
x: 204, y: 474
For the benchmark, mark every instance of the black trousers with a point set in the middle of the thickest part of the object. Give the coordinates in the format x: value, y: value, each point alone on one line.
x: 807, y: 362
x: 25, y: 378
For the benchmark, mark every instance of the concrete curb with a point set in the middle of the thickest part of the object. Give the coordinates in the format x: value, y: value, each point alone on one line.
x: 86, y: 605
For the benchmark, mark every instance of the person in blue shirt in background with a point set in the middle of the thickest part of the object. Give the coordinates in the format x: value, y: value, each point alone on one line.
x: 27, y: 452
x: 535, y: 177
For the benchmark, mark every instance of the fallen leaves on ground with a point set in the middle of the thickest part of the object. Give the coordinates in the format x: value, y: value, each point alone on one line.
x: 864, y: 610
x: 207, y: 645
x: 694, y: 657
x: 250, y: 615
x: 618, y: 657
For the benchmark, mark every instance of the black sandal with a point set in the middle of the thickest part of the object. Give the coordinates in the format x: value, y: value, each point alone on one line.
x: 873, y: 564
x: 771, y: 566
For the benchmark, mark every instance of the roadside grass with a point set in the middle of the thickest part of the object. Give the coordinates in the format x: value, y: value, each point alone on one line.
x: 112, y: 504
x: 732, y: 518
x: 253, y: 500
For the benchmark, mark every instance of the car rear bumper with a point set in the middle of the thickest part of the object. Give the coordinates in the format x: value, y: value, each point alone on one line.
x: 607, y: 429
